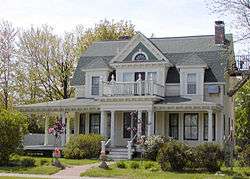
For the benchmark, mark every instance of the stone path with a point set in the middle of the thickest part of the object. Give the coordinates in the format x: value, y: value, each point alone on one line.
x: 72, y: 172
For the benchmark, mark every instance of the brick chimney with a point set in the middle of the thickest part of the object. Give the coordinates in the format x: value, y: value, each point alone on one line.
x: 219, y: 33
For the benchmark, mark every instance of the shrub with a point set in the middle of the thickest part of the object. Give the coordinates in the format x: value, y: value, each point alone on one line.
x: 121, y: 164
x: 149, y: 165
x: 174, y: 154
x: 134, y: 165
x: 28, y: 162
x: 13, y: 126
x: 210, y: 156
x: 44, y: 162
x: 245, y: 156
x: 152, y: 146
x: 83, y: 146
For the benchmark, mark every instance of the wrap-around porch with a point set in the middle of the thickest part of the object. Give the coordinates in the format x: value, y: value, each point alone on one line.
x: 189, y: 122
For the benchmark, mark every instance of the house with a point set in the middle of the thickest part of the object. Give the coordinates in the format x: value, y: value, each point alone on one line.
x: 176, y: 85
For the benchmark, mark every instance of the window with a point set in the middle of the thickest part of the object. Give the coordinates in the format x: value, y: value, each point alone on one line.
x: 94, y: 123
x: 190, y: 126
x: 128, y: 77
x: 82, y: 123
x: 191, y: 83
x: 205, y: 132
x: 173, y: 125
x: 153, y: 75
x: 140, y: 57
x: 95, y: 85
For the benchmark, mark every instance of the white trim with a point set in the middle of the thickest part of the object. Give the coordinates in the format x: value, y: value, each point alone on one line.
x: 191, y: 66
x: 215, y: 83
x: 172, y: 84
x: 135, y: 64
x: 97, y: 69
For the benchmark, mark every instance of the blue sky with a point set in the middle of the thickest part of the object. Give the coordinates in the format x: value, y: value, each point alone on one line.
x: 163, y: 18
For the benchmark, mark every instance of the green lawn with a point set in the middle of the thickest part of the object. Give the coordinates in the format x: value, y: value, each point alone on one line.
x: 46, y: 168
x: 4, y: 177
x: 155, y: 172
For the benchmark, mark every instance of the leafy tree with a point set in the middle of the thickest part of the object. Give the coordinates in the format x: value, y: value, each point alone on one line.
x: 105, y: 30
x: 242, y: 123
x: 7, y: 62
x: 13, y: 126
x: 237, y: 10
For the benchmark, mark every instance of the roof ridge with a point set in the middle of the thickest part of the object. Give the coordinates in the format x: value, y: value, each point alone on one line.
x: 152, y: 38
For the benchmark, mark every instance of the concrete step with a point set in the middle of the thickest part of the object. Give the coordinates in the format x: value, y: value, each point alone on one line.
x: 119, y: 149
x: 121, y: 154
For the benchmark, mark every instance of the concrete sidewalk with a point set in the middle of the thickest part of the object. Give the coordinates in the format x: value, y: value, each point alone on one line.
x: 72, y: 172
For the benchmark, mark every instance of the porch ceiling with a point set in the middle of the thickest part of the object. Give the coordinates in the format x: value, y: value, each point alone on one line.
x: 70, y: 104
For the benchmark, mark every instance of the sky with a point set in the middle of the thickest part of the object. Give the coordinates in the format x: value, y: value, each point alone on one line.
x: 163, y: 18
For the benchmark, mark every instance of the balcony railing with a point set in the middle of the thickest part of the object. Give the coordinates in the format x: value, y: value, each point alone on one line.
x: 137, y: 88
x: 243, y: 62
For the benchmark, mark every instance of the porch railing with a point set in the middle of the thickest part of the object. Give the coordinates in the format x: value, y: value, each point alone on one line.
x: 243, y: 62
x: 137, y: 88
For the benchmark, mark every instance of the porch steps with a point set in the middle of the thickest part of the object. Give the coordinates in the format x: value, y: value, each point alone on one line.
x: 118, y: 153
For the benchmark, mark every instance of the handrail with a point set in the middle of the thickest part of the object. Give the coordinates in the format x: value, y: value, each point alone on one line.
x: 108, y: 142
x: 132, y: 140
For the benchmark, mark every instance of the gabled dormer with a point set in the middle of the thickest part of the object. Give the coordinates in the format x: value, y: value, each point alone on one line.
x: 140, y: 55
x: 192, y: 69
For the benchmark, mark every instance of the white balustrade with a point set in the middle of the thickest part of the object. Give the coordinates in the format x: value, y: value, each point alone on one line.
x: 137, y: 88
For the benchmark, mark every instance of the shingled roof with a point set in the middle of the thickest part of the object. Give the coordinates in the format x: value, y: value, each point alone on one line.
x: 201, y: 49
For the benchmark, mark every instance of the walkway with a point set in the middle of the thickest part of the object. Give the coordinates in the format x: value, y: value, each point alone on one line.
x: 72, y: 172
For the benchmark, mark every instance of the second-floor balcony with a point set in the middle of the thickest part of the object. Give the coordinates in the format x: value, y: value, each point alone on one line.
x: 137, y: 88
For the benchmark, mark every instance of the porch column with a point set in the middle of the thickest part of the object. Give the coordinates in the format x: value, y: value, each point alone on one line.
x: 46, y: 140
x: 139, y: 124
x: 112, y: 130
x: 76, y: 123
x: 68, y: 129
x: 150, y: 122
x: 103, y: 123
x: 63, y: 117
x: 210, y: 125
x: 87, y: 123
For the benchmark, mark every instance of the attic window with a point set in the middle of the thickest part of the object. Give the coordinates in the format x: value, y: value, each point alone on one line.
x: 140, y: 56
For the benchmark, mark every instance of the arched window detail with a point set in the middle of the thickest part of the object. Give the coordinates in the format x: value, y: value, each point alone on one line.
x: 140, y: 56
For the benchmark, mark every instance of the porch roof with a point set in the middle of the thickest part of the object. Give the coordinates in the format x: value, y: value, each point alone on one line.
x: 180, y: 103
x: 70, y: 104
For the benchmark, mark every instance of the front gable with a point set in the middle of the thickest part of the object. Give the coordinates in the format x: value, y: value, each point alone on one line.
x: 139, y: 44
x: 140, y: 48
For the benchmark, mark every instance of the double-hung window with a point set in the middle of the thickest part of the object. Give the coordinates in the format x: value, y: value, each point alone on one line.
x: 205, y: 132
x: 173, y: 125
x: 152, y: 75
x: 191, y: 126
x: 94, y: 123
x: 95, y: 85
x: 191, y: 83
x: 128, y: 77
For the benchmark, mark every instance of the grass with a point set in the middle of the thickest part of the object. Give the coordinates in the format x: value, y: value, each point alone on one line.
x: 156, y: 172
x: 5, y: 177
x: 46, y: 168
